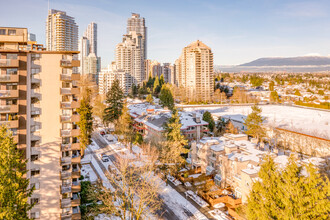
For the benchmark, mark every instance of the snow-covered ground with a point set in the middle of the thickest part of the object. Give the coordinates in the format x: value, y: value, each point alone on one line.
x: 88, y: 173
x: 307, y: 121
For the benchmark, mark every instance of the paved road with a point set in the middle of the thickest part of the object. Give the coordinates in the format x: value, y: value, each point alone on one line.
x: 165, y: 212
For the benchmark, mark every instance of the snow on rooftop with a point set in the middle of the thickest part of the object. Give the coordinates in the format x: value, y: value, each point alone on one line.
x: 307, y: 121
x: 218, y: 147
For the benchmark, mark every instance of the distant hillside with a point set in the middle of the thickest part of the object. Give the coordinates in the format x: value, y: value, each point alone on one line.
x: 290, y: 61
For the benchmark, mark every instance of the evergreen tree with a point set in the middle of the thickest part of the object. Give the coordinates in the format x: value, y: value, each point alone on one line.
x: 123, y: 126
x: 14, y: 185
x: 156, y: 86
x: 166, y: 98
x: 274, y: 96
x: 208, y: 118
x: 175, y: 143
x: 85, y: 123
x: 114, y: 101
x: 263, y: 199
x: 271, y: 85
x: 253, y: 123
x: 134, y: 90
x: 161, y: 80
x: 150, y: 99
x: 297, y: 192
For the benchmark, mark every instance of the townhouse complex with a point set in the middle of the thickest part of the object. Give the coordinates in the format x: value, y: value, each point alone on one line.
x: 39, y: 97
x: 234, y: 162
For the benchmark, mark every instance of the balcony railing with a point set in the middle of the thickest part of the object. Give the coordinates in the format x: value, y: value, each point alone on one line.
x: 9, y: 78
x: 70, y: 63
x: 65, y: 118
x: 65, y: 160
x: 65, y: 133
x: 8, y: 93
x: 10, y: 124
x: 65, y: 203
x: 65, y: 174
x: 65, y: 189
x: 8, y: 63
x: 65, y: 147
x: 9, y: 109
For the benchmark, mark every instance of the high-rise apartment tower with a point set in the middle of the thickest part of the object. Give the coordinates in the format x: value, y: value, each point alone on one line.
x: 38, y: 103
x: 61, y: 32
x: 194, y: 71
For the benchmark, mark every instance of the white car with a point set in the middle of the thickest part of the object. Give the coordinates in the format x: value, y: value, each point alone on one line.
x: 105, y: 158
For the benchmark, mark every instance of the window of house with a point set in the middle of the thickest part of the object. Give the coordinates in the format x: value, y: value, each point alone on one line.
x: 2, y: 31
x: 11, y: 32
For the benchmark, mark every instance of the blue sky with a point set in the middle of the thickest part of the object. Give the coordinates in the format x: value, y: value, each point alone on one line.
x: 238, y: 31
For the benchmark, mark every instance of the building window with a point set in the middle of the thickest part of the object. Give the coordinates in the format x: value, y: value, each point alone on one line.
x: 35, y: 185
x: 34, y: 157
x: 2, y: 31
x: 11, y: 32
x: 34, y: 200
x: 35, y: 172
x: 35, y: 215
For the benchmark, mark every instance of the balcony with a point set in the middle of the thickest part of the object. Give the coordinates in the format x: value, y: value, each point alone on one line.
x: 65, y: 147
x: 76, y: 159
x: 69, y: 63
x: 75, y: 118
x: 70, y: 118
x: 66, y: 203
x: 66, y: 216
x: 65, y: 133
x: 35, y: 136
x: 76, y: 187
x: 65, y: 174
x: 65, y: 188
x: 65, y: 161
x: 35, y: 94
x: 65, y: 118
x: 10, y: 124
x: 8, y: 78
x: 8, y: 94
x: 9, y: 109
x: 76, y: 213
x: 75, y: 132
x: 35, y: 79
x: 70, y: 77
x: 65, y: 91
x: 75, y: 200
x: 76, y: 173
x: 75, y: 76
x: 75, y: 146
x: 9, y: 63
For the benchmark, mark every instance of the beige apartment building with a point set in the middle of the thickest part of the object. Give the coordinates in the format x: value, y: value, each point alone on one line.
x: 194, y: 71
x: 39, y: 97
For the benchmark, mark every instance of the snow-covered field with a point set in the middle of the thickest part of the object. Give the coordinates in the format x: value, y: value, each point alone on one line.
x: 307, y: 121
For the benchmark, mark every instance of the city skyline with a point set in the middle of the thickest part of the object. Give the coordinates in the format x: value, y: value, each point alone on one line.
x: 237, y: 33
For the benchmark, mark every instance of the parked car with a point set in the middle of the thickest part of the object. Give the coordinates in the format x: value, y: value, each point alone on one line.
x: 105, y: 158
